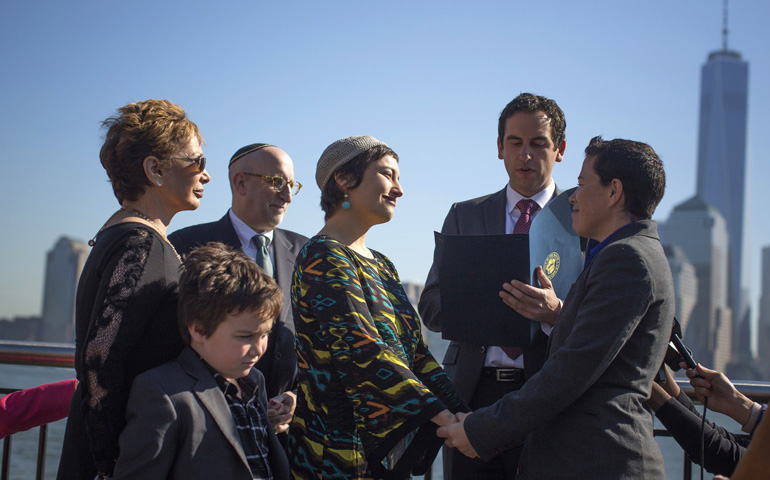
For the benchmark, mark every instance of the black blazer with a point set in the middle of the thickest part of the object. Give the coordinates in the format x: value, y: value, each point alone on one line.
x: 279, y: 364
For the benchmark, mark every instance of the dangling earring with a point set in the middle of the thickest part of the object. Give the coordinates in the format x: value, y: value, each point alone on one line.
x: 345, y: 203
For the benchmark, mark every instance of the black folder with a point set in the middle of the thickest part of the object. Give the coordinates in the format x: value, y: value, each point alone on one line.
x: 473, y: 270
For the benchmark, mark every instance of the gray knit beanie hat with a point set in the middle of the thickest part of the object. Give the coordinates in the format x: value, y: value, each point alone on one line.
x: 341, y: 152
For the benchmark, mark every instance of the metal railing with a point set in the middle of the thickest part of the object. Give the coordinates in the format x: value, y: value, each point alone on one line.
x: 62, y: 355
x: 37, y: 353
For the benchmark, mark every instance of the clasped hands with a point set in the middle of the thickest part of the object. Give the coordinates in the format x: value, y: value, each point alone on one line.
x: 452, y: 429
x: 538, y: 304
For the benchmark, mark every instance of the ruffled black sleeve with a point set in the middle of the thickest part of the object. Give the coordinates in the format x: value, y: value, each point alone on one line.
x: 132, y: 328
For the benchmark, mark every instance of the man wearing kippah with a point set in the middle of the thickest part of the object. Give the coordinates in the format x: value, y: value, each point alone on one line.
x: 530, y: 142
x: 262, y: 185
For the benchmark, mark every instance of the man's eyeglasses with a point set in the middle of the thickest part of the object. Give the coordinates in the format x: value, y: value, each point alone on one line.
x: 199, y: 161
x: 279, y: 183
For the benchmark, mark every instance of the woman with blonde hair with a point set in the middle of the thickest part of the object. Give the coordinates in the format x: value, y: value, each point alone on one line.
x: 125, y: 314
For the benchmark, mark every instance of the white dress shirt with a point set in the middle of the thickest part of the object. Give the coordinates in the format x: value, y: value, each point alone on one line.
x: 496, y: 357
x: 246, y: 233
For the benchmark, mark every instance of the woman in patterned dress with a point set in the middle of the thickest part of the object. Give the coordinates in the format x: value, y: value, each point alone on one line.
x: 125, y: 311
x: 370, y: 393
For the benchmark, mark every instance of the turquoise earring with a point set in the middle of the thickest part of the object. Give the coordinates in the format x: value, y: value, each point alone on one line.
x: 346, y: 204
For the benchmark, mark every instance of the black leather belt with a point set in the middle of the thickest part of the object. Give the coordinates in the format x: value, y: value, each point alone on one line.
x: 505, y: 374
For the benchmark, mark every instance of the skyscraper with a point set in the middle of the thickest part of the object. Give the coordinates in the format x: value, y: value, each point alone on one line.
x: 63, y: 266
x: 698, y: 229
x: 722, y: 163
x: 763, y: 342
x: 685, y: 284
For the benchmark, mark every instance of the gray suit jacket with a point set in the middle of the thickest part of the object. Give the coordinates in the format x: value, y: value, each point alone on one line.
x: 279, y: 364
x: 180, y: 427
x: 464, y: 362
x: 583, y: 415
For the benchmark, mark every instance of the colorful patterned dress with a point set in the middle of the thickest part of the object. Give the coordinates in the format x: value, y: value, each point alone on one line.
x: 366, y: 377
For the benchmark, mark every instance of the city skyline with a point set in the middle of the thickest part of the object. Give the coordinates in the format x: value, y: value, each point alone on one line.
x: 722, y: 164
x: 429, y: 79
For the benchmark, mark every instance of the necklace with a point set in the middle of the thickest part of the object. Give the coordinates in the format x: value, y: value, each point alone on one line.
x: 137, y: 213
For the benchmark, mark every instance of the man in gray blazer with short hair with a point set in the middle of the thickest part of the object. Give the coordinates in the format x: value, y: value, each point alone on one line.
x: 583, y: 415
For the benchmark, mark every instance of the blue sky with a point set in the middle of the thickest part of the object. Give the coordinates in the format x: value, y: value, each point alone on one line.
x: 429, y: 78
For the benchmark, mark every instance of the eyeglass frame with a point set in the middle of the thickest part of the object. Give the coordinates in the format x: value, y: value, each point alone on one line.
x: 278, y: 178
x: 200, y: 162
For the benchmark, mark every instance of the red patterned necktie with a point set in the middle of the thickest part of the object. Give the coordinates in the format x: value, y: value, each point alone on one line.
x: 527, y: 207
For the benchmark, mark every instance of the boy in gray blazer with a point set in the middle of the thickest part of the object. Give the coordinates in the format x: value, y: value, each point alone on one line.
x: 204, y: 415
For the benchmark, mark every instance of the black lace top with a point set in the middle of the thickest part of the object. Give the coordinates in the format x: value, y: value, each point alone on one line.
x: 125, y: 324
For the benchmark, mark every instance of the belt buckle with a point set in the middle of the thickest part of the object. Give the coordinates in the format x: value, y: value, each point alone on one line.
x: 505, y: 374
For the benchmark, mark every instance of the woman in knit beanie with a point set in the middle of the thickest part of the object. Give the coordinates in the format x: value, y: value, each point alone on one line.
x: 370, y: 393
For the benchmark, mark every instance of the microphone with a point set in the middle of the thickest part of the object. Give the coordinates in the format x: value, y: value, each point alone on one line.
x: 682, y: 350
x: 685, y: 354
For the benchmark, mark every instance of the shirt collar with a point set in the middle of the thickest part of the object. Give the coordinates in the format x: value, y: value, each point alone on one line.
x: 594, y: 248
x: 248, y: 387
x: 541, y: 198
x: 246, y: 233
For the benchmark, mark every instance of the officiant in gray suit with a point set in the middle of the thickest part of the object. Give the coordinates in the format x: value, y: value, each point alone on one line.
x: 583, y: 414
x: 530, y: 141
x: 262, y: 185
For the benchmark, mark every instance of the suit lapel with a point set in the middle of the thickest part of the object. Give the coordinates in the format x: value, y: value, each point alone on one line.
x: 225, y: 232
x: 212, y: 398
x: 284, y: 259
x: 494, y: 214
x: 285, y: 254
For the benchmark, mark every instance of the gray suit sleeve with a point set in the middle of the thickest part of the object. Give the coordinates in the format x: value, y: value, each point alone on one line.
x: 429, y: 305
x: 617, y: 294
x: 147, y: 444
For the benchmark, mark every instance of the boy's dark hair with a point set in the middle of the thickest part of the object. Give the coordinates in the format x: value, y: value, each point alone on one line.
x: 529, y: 103
x: 638, y: 168
x: 332, y: 195
x: 218, y: 280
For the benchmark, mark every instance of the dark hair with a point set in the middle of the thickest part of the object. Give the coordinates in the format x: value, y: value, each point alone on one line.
x: 218, y: 280
x: 638, y: 168
x: 332, y: 195
x: 139, y: 130
x: 529, y: 103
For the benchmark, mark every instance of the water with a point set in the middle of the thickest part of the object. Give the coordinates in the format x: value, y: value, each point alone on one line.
x: 24, y: 445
